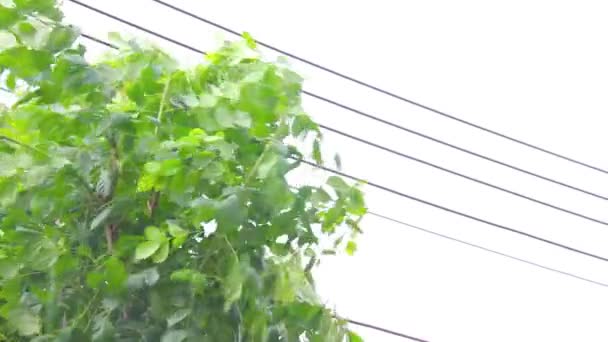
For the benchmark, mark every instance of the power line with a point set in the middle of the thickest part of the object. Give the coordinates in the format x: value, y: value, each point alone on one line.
x: 496, y: 187
x: 370, y: 183
x: 453, y: 211
x: 427, y: 230
x: 459, y: 241
x: 384, y: 330
x: 383, y: 91
x: 403, y: 155
x: 403, y: 223
x: 351, y: 109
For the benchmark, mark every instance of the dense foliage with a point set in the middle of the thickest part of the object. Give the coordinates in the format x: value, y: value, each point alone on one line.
x: 143, y: 202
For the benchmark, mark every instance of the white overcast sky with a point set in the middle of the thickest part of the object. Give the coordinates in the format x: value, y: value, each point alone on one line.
x: 535, y: 70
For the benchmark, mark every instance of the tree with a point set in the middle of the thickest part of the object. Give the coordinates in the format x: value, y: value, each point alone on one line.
x: 143, y: 202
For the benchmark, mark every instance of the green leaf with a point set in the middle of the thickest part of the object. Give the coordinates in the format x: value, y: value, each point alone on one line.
x: 269, y: 160
x: 115, y: 275
x: 11, y: 82
x: 25, y: 321
x: 302, y: 125
x: 152, y: 233
x: 170, y: 167
x: 103, y: 329
x: 101, y: 218
x: 353, y: 337
x: 146, y: 249
x: 152, y: 168
x: 189, y: 275
x: 316, y: 152
x: 339, y: 185
x: 177, y: 317
x: 145, y: 278
x: 351, y: 247
x: 162, y: 253
x: 249, y: 40
x: 61, y: 37
x: 47, y: 8
x: 230, y: 212
x: 8, y: 17
x: 26, y: 29
x: 174, y: 336
x: 175, y: 230
x: 25, y: 62
x: 356, y: 203
x: 8, y: 268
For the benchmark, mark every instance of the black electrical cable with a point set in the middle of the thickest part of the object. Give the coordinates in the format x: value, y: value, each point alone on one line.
x: 496, y: 187
x: 461, y: 241
x: 356, y: 111
x: 384, y: 330
x: 428, y: 231
x: 377, y: 185
x: 453, y: 211
x: 383, y: 91
x: 403, y: 155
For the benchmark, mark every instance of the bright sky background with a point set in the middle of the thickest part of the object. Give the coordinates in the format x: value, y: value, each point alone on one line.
x: 535, y: 70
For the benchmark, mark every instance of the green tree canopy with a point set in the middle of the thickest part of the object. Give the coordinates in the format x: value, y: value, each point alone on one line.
x: 140, y: 201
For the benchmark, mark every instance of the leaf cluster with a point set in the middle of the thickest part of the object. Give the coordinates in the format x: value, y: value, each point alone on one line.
x: 140, y: 201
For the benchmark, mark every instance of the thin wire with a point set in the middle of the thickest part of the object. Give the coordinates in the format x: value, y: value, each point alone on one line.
x: 496, y: 187
x: 486, y: 249
x: 137, y: 27
x: 386, y: 188
x: 383, y: 91
x: 459, y: 213
x: 403, y: 155
x: 384, y: 330
x: 356, y: 111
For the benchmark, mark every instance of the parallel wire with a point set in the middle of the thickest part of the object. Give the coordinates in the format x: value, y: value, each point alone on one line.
x: 383, y: 91
x: 403, y: 155
x: 381, y: 187
x: 348, y: 108
x: 384, y: 330
x: 466, y: 243
x: 404, y: 195
x: 441, y: 168
x: 373, y: 213
x: 418, y: 227
x: 453, y: 211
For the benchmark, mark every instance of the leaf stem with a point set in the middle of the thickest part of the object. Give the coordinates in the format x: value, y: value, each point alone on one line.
x: 161, y: 108
x: 256, y: 166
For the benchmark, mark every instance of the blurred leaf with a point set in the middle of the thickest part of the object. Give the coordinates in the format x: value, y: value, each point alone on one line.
x: 102, y: 217
x: 174, y: 336
x: 24, y: 62
x: 146, y: 249
x: 316, y: 152
x: 26, y: 322
x: 8, y: 17
x: 60, y: 38
x: 175, y: 230
x: 338, y: 184
x: 103, y: 329
x: 351, y: 247
x: 154, y: 234
x: 162, y: 253
x: 353, y: 337
x: 269, y: 160
x: 147, y: 277
x: 177, y: 317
